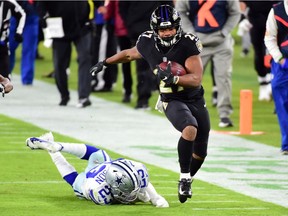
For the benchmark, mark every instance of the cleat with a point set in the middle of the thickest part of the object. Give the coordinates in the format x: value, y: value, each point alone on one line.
x: 225, y: 122
x: 184, y: 189
x: 45, y: 142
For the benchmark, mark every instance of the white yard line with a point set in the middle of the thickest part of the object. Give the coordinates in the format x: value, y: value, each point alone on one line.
x: 232, y: 162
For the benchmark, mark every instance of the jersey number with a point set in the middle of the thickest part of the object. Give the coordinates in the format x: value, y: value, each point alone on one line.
x: 105, y: 194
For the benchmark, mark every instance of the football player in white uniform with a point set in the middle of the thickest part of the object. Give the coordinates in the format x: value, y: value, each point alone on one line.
x: 104, y: 181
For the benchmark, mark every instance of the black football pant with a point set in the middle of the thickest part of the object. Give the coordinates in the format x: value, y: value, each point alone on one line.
x: 125, y: 43
x: 62, y: 50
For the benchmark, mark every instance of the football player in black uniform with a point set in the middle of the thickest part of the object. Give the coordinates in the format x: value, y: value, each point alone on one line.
x: 181, y: 96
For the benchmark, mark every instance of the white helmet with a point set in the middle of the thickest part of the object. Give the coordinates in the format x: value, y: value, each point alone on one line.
x: 123, y: 180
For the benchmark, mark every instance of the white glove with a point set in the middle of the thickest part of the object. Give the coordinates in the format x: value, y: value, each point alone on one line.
x: 243, y: 27
x: 143, y: 196
x: 159, y: 202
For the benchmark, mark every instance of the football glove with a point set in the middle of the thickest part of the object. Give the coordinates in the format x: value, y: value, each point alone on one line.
x: 166, y: 75
x: 160, y: 202
x: 98, y: 68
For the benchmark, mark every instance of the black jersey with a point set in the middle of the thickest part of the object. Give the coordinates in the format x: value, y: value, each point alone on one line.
x: 187, y: 46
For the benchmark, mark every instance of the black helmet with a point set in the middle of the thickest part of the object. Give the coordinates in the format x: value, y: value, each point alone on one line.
x: 165, y: 17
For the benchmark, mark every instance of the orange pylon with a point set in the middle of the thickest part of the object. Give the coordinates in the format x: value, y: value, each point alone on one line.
x: 245, y: 111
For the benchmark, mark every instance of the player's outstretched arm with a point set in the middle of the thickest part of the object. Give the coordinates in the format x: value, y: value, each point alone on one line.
x: 123, y: 56
x: 155, y: 198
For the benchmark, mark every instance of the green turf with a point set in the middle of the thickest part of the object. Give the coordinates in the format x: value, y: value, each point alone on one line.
x: 30, y: 184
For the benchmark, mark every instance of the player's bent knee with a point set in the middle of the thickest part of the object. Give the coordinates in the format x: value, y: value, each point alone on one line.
x: 189, y: 133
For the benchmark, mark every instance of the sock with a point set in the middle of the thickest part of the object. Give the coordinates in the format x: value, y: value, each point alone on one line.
x: 64, y: 167
x: 70, y: 178
x: 185, y: 176
x: 89, y: 150
x: 185, y: 154
x: 79, y: 150
x: 195, y: 166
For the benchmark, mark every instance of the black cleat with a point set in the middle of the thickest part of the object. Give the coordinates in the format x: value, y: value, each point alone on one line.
x: 184, y: 189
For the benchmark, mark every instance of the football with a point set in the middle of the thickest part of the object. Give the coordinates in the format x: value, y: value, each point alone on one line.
x: 176, y: 68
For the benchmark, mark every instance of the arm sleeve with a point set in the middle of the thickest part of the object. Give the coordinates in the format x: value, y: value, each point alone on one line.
x: 270, y: 38
x: 156, y: 199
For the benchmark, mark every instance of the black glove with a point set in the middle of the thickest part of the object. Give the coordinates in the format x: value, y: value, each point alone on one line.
x: 98, y: 68
x: 18, y: 38
x: 166, y: 75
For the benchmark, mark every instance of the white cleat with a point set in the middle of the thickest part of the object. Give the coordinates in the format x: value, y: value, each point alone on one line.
x: 46, y: 142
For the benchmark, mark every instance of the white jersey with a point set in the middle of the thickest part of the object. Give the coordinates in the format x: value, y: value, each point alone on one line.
x: 92, y: 184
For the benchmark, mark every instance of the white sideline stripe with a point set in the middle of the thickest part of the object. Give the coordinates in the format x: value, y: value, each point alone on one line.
x: 34, y: 182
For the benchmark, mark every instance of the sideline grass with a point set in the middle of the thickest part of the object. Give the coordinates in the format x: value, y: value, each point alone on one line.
x: 30, y: 185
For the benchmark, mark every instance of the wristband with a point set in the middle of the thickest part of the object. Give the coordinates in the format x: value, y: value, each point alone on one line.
x: 105, y: 63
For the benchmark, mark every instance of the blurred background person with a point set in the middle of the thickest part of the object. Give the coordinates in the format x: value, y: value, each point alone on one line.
x: 276, y: 41
x: 111, y: 13
x: 73, y: 26
x: 103, y: 44
x: 9, y: 8
x: 29, y: 44
x: 257, y: 16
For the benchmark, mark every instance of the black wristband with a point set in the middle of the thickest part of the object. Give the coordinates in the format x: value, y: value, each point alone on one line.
x: 105, y: 63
